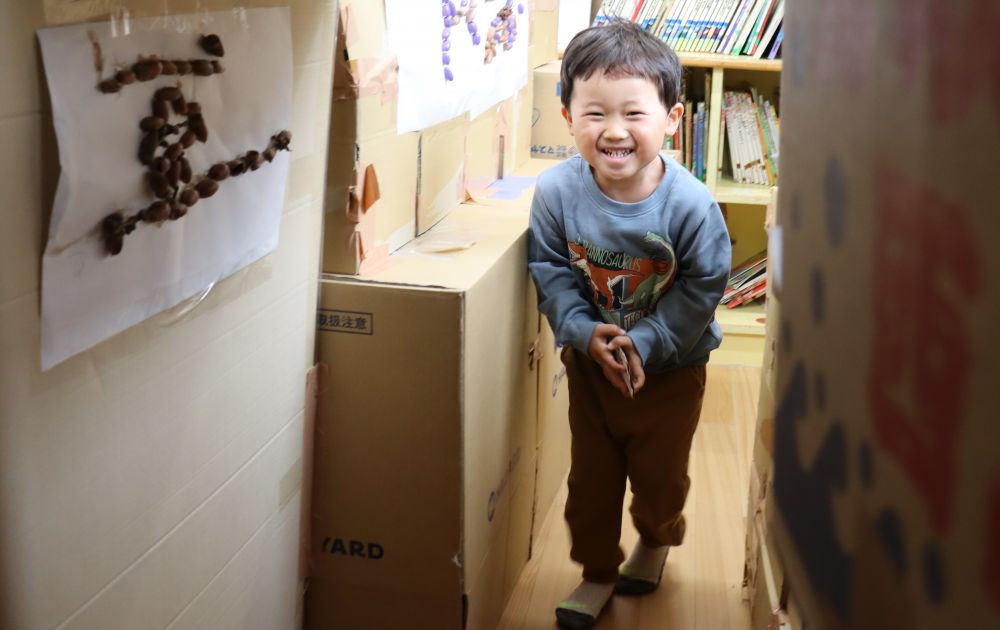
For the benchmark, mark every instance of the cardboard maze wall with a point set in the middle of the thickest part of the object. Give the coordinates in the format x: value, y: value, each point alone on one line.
x: 887, y: 482
x: 155, y: 480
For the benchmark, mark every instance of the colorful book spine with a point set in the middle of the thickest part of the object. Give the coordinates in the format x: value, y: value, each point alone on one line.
x: 776, y: 46
x: 699, y: 170
x: 673, y: 24
x: 720, y: 22
x: 737, y: 44
x: 688, y: 135
x: 661, y: 15
x: 758, y: 27
x: 772, y: 27
x: 691, y: 17
x: 731, y: 27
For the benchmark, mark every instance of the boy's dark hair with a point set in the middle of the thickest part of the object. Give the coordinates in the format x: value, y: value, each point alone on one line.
x: 621, y: 49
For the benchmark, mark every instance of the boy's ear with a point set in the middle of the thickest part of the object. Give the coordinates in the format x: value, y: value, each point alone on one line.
x: 568, y: 119
x: 674, y: 116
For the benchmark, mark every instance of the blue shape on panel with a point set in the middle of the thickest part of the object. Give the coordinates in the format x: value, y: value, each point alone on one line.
x: 890, y: 532
x: 818, y: 293
x: 805, y: 497
x: 934, y: 574
x: 865, y: 464
x: 835, y: 191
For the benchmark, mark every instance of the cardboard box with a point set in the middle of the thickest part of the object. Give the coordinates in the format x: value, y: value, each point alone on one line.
x: 515, y: 191
x: 543, y: 32
x: 524, y: 111
x: 424, y: 460
x: 886, y: 475
x: 553, y: 426
x: 441, y: 178
x: 371, y: 185
x: 550, y: 137
x: 372, y: 172
x: 485, y: 137
x: 154, y: 480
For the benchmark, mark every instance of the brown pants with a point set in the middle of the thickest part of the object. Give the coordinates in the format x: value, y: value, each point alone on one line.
x: 646, y: 440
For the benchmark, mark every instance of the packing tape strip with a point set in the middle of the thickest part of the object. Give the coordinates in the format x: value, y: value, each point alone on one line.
x: 544, y: 5
x: 375, y: 76
x: 350, y: 26
x: 370, y: 189
x: 345, y: 85
x: 363, y: 194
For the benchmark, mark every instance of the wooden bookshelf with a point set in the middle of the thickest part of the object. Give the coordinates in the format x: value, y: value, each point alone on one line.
x: 728, y: 62
x: 742, y: 336
x: 743, y: 327
x: 747, y: 319
x: 729, y: 191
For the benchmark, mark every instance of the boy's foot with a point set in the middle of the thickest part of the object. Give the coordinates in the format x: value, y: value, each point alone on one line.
x: 642, y: 571
x: 581, y: 609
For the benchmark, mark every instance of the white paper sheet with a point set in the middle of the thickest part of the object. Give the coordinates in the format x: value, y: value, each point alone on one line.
x: 416, y: 35
x: 88, y: 296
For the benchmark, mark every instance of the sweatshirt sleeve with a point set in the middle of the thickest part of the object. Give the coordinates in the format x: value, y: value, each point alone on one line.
x: 571, y: 316
x: 685, y: 311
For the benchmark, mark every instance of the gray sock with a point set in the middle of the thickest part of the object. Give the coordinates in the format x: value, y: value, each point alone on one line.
x: 589, y: 598
x: 645, y: 563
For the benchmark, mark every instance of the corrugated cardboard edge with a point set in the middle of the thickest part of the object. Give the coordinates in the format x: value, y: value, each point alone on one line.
x: 315, y: 385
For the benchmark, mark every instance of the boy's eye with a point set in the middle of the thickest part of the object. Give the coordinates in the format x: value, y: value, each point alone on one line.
x: 634, y: 114
x: 593, y: 114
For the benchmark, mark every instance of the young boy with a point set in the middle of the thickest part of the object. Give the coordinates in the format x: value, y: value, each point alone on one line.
x: 630, y: 255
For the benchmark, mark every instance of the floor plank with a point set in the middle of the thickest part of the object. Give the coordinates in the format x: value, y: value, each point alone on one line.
x: 701, y: 588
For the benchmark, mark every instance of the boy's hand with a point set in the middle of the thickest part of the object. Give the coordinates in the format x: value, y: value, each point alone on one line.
x: 601, y: 352
x: 634, y: 362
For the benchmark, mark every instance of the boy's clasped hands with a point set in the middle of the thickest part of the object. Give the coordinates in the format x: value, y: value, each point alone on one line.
x: 614, y: 351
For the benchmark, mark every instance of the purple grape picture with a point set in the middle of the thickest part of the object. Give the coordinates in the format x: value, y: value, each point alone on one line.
x: 501, y: 35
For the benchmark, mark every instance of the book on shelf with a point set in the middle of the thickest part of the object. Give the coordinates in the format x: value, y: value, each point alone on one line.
x: 701, y: 24
x: 749, y: 295
x: 732, y: 27
x: 745, y: 280
x: 736, y: 46
x: 725, y: 17
x: 752, y: 131
x: 756, y: 30
x: 772, y: 28
x: 688, y: 134
x: 776, y: 45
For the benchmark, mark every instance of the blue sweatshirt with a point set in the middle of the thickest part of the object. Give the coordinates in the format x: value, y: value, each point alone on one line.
x: 656, y: 268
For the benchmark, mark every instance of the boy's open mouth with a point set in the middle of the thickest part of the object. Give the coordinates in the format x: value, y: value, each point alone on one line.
x: 617, y: 153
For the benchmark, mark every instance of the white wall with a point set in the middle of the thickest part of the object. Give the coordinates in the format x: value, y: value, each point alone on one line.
x: 155, y: 480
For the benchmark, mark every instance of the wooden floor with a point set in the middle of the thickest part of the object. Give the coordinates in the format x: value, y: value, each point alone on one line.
x: 702, y: 580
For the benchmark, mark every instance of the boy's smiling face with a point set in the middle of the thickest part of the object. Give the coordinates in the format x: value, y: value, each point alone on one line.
x: 619, y: 124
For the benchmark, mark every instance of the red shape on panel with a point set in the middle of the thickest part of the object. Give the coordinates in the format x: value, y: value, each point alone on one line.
x: 955, y: 47
x: 924, y: 265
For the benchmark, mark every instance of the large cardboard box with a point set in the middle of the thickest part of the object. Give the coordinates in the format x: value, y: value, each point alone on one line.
x: 515, y: 191
x: 372, y: 172
x: 524, y: 112
x: 550, y: 136
x: 424, y: 458
x: 886, y: 474
x: 441, y: 179
x: 543, y: 32
x: 553, y: 425
x: 485, y: 137
x: 155, y: 480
